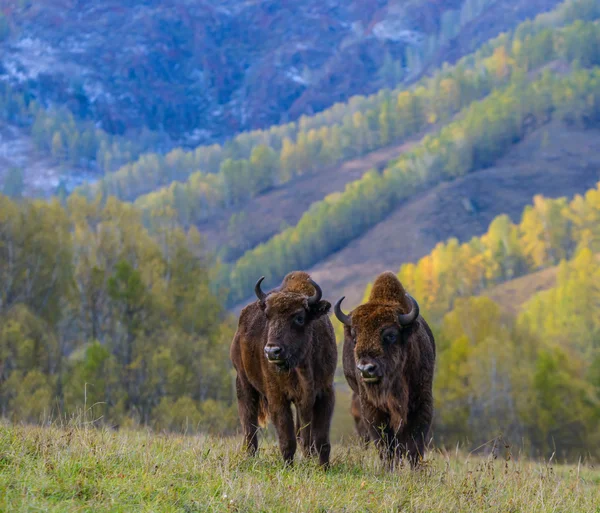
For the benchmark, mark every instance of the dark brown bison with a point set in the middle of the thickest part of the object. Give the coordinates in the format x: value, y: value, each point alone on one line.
x: 284, y: 352
x: 389, y: 359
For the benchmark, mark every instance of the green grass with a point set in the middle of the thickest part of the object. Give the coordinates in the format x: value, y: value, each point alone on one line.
x: 77, y: 469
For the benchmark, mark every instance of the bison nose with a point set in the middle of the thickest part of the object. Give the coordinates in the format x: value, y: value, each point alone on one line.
x: 368, y: 371
x: 367, y: 368
x: 273, y: 353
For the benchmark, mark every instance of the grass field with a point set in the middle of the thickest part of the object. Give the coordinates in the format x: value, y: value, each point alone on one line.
x: 77, y: 469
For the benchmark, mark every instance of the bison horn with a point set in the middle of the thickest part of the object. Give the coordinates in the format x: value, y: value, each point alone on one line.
x: 410, y: 317
x: 313, y: 300
x: 258, y: 291
x: 342, y: 317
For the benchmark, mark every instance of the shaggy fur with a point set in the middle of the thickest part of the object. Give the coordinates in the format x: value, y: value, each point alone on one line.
x: 399, y: 408
x: 361, y: 428
x: 304, y: 377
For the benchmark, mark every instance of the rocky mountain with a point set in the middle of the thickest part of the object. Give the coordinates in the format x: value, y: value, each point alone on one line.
x: 202, y: 70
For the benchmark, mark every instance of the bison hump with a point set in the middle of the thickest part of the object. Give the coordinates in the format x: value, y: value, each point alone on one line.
x: 388, y: 289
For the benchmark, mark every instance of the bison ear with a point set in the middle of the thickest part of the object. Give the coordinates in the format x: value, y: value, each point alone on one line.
x: 320, y: 308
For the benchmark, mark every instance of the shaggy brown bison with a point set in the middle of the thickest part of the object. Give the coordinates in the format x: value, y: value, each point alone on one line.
x: 284, y: 352
x: 389, y: 358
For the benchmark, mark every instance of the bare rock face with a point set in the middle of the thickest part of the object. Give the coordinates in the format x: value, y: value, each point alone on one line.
x: 202, y: 70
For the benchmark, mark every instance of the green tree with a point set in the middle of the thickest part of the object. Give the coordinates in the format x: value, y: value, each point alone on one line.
x: 264, y: 168
x: 128, y: 293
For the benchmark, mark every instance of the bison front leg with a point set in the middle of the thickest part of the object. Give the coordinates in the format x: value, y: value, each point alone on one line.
x: 304, y: 427
x: 248, y: 408
x: 419, y: 424
x: 322, y: 415
x: 283, y: 420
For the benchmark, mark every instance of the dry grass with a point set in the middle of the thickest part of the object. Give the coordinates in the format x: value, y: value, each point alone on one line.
x: 512, y: 294
x: 77, y: 469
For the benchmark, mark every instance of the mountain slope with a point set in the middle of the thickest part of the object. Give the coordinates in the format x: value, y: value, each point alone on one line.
x: 477, y: 139
x: 553, y: 161
x: 262, y: 217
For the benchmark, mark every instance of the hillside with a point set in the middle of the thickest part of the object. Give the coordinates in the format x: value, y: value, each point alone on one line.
x: 554, y: 161
x: 82, y: 469
x: 204, y: 71
x: 264, y: 215
x: 486, y: 129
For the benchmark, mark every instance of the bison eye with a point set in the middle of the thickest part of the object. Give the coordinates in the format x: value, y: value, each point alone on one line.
x: 299, y: 320
x: 390, y: 337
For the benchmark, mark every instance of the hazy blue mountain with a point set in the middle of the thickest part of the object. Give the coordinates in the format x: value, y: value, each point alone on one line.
x: 204, y: 70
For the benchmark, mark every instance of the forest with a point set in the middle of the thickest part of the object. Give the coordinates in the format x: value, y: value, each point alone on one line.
x: 97, y: 313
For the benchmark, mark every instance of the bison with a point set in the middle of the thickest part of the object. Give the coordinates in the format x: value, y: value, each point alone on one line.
x: 284, y: 352
x: 389, y: 359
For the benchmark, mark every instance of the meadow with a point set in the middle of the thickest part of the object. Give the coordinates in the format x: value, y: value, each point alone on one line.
x: 77, y: 468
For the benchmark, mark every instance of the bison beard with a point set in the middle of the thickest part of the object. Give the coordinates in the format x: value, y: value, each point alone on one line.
x: 389, y: 360
x: 284, y: 353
